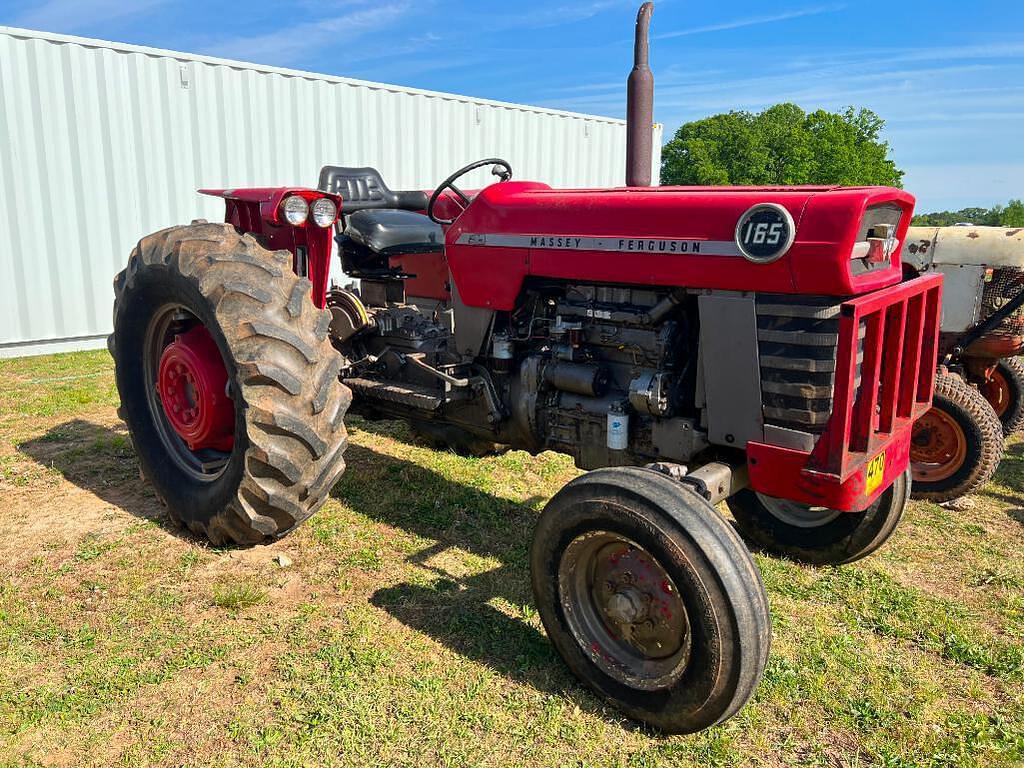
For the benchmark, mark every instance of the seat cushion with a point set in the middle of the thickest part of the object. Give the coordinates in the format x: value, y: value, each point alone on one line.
x: 391, y: 232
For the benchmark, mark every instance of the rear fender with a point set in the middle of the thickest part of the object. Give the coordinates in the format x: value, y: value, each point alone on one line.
x: 258, y: 211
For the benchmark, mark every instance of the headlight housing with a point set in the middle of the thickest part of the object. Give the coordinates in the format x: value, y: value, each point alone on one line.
x: 324, y: 212
x: 295, y: 210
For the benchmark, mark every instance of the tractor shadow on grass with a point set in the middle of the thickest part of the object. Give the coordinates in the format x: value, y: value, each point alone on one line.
x: 477, y: 616
x: 1011, y: 475
x: 101, y: 460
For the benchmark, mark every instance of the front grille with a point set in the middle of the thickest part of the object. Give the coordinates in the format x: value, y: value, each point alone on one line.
x: 838, y: 380
x: 796, y: 340
x: 885, y: 363
x: 1000, y: 288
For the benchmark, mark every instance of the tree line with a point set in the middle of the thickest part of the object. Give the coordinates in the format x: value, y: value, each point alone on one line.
x: 784, y: 145
x: 1009, y: 215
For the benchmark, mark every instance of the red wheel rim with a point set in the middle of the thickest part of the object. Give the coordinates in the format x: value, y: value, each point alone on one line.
x: 192, y: 384
x: 187, y: 392
x: 938, y: 447
x: 997, y: 391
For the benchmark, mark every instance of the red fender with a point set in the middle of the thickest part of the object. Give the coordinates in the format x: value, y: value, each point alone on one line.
x: 258, y: 210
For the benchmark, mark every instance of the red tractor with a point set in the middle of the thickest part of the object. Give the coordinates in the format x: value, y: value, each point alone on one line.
x: 686, y: 345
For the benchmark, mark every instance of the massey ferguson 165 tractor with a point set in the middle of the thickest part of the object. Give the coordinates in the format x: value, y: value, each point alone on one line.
x: 979, y: 390
x: 685, y: 345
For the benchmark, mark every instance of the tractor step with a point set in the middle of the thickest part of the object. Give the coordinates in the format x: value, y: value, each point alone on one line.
x: 411, y: 395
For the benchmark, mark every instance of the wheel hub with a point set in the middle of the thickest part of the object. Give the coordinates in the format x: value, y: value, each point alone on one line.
x: 626, y: 607
x: 938, y: 447
x: 624, y: 610
x: 192, y: 383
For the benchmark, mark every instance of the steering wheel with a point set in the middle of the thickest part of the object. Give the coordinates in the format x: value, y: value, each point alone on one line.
x: 500, y: 168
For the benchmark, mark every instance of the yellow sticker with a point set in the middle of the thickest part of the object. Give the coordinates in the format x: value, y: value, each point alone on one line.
x: 876, y: 469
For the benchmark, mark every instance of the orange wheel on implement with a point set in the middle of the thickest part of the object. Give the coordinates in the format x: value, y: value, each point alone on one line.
x: 1004, y: 391
x: 957, y: 445
x: 938, y: 447
x: 997, y: 391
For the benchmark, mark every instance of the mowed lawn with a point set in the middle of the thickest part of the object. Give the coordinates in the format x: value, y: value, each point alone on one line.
x: 397, y: 626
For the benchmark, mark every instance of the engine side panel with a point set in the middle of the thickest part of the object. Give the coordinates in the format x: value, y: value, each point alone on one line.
x: 732, y: 377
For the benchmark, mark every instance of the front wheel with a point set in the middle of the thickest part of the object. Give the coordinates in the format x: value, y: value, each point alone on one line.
x: 956, y: 446
x: 1004, y: 391
x: 228, y: 382
x: 651, y: 598
x: 819, y: 535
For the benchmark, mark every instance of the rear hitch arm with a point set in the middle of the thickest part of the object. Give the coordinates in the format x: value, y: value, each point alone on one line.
x: 990, y: 322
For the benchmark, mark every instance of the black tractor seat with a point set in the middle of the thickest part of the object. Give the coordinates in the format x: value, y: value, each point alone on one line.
x: 364, y: 188
x: 392, y: 232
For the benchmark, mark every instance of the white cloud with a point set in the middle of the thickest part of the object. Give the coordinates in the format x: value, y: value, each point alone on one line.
x: 752, y: 21
x: 555, y: 16
x: 293, y: 43
x: 74, y: 15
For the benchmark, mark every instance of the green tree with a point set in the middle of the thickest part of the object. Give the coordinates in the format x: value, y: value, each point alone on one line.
x: 1013, y: 214
x: 1009, y: 215
x: 781, y: 145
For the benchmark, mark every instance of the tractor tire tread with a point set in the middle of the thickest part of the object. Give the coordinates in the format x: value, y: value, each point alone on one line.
x: 282, y: 365
x: 1013, y: 418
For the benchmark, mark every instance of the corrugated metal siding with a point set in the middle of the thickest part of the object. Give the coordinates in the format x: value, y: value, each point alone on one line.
x: 101, y: 143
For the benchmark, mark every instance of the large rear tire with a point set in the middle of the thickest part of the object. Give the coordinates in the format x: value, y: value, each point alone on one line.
x: 285, y: 451
x: 651, y: 598
x: 1005, y: 393
x: 818, y: 535
x: 956, y: 447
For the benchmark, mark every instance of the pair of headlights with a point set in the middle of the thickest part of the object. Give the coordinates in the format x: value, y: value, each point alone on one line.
x: 296, y: 210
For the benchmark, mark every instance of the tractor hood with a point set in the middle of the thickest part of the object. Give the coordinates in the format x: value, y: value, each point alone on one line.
x: 834, y: 241
x: 973, y: 246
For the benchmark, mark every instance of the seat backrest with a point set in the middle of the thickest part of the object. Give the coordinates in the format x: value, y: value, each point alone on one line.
x: 364, y: 188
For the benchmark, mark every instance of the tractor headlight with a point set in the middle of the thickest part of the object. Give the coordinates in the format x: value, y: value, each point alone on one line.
x: 295, y: 210
x: 324, y: 212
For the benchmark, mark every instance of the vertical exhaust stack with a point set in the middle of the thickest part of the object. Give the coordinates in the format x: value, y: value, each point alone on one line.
x: 640, y: 106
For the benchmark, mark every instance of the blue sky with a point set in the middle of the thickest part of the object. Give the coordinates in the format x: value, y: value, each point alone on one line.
x: 948, y: 77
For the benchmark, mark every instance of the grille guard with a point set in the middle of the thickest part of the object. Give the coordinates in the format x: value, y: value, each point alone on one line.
x: 900, y: 347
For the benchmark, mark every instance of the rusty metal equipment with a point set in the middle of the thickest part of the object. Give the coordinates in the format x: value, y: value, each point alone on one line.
x: 981, y: 334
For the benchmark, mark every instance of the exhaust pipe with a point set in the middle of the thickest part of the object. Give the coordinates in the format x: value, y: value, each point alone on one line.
x: 640, y: 106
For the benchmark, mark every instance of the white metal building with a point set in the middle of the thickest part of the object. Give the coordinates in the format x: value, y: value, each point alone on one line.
x: 101, y: 143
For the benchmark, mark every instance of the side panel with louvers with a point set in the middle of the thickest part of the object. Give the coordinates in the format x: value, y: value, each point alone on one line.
x: 797, y: 349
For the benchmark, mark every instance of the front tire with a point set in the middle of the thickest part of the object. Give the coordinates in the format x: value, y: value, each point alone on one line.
x: 956, y: 447
x: 651, y: 598
x: 274, y: 468
x: 818, y: 535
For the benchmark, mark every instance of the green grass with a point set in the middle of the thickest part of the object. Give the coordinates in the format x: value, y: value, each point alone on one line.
x: 238, y: 596
x: 403, y: 631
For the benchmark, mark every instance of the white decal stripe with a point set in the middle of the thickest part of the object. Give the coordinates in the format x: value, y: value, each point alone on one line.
x: 620, y: 244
